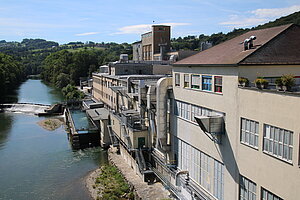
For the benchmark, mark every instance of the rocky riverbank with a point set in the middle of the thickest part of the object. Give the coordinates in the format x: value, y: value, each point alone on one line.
x: 140, y: 189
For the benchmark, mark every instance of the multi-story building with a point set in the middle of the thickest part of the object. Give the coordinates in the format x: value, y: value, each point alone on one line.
x: 238, y: 142
x: 156, y: 41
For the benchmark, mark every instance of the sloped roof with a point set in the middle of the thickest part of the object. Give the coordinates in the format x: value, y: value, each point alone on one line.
x: 268, y: 49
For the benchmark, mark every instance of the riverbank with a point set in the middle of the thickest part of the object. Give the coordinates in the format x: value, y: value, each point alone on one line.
x: 141, y: 189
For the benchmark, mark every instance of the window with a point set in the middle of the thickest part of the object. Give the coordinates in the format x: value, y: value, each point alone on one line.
x: 247, y: 189
x: 218, y: 180
x: 249, y: 132
x: 177, y: 79
x: 266, y: 195
x: 218, y: 84
x: 182, y: 110
x: 200, y: 111
x: 206, y: 83
x: 186, y: 80
x: 202, y: 168
x: 196, y: 111
x: 278, y: 142
x: 195, y: 81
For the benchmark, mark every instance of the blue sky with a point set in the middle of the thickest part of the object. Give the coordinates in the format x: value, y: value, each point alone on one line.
x: 123, y: 21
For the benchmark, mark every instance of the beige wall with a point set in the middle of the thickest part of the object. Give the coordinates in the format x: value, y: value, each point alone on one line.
x: 252, y: 72
x: 280, y: 110
x: 191, y: 133
x: 273, y: 108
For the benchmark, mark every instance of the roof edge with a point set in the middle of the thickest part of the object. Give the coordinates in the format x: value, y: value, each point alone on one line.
x: 204, y: 65
x: 288, y: 27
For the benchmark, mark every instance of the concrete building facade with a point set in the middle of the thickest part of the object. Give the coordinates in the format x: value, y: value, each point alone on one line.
x: 256, y: 156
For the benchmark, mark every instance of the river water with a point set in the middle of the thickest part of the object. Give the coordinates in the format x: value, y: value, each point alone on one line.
x: 37, y: 164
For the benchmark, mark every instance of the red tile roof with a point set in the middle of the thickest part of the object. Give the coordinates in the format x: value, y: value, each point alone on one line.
x: 272, y: 46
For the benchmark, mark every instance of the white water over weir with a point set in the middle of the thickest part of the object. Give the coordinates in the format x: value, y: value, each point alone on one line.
x: 25, y: 108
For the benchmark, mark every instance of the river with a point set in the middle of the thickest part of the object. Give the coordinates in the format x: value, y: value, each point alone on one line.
x: 37, y: 164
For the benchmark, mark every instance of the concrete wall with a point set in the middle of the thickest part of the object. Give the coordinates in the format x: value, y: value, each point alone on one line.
x: 280, y: 110
x: 252, y: 72
x: 226, y: 103
x: 274, y: 108
x: 162, y: 69
x: 137, y: 51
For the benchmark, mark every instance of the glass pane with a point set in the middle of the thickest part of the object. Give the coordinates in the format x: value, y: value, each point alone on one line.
x: 280, y: 149
x: 276, y: 134
x: 285, y: 152
x: 290, y: 154
x: 256, y: 129
x: 267, y: 131
x: 291, y: 138
x: 272, y: 133
x: 256, y: 141
x: 252, y: 127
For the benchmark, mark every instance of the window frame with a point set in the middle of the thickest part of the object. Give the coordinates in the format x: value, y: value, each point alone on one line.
x: 270, y: 144
x: 247, y: 190
x: 244, y: 131
x: 195, y: 86
x: 186, y: 84
x: 217, y: 84
x: 204, y: 83
x: 268, y: 194
x: 177, y: 79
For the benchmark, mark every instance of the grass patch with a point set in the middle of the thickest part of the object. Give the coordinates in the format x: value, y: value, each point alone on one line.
x: 113, y: 184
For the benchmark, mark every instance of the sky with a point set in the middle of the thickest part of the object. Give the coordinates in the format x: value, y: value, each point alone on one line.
x: 121, y: 21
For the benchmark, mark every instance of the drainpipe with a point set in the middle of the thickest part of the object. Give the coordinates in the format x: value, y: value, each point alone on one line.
x: 161, y: 111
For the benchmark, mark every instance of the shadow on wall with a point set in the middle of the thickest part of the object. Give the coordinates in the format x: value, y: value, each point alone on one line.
x: 228, y: 157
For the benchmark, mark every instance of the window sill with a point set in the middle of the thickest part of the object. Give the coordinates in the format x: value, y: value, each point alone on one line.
x: 206, y: 91
x: 285, y: 161
x: 187, y: 120
x: 247, y: 145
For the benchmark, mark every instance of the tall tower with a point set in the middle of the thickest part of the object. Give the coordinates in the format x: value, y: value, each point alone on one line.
x: 156, y: 41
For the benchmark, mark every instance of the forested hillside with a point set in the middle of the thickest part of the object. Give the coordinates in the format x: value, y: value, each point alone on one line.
x: 193, y: 42
x: 11, y: 74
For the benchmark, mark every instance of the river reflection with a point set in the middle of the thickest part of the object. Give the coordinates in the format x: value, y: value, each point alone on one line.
x: 5, y: 124
x: 38, y: 164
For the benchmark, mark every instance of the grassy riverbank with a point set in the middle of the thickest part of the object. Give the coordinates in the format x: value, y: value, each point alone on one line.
x: 110, y: 184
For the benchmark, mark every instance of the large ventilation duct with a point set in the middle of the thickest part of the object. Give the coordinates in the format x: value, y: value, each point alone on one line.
x: 161, y: 111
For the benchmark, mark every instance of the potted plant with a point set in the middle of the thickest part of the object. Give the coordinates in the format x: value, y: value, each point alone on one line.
x: 279, y: 84
x: 288, y: 81
x: 261, y: 83
x: 244, y: 82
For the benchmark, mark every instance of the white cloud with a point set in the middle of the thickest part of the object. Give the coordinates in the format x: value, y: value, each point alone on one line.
x: 275, y: 12
x: 88, y: 33
x: 259, y: 16
x: 238, y: 21
x: 142, y: 28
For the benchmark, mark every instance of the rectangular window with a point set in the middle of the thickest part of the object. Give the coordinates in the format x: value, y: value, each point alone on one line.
x: 195, y: 81
x: 247, y: 189
x: 249, y: 132
x: 183, y: 110
x: 177, y: 79
x: 196, y: 111
x: 218, y: 84
x: 202, y: 168
x: 186, y: 80
x: 266, y: 195
x: 278, y: 142
x: 218, y: 180
x: 206, y: 83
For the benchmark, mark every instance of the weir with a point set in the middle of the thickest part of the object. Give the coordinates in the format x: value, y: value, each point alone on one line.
x: 31, y: 108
